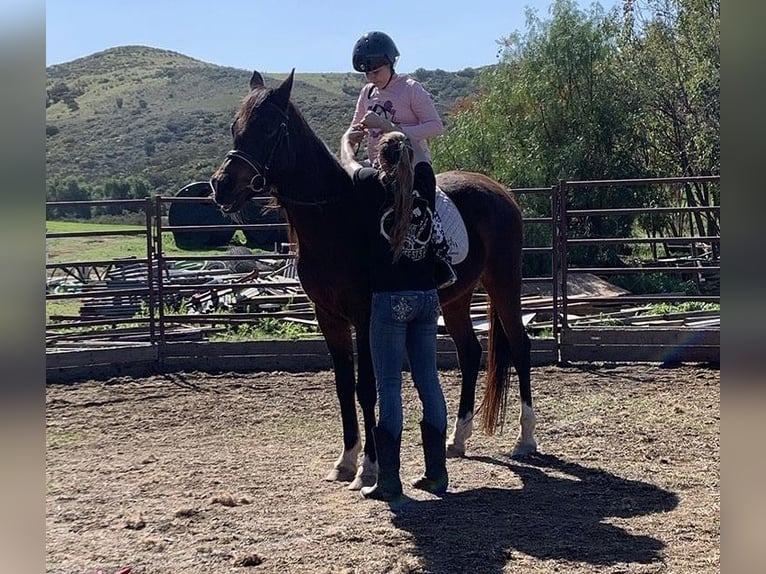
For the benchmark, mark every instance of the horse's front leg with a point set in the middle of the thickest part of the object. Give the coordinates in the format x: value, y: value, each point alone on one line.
x: 337, y: 334
x: 366, y: 394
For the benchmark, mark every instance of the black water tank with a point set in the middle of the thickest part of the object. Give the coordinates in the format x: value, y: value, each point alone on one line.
x: 199, y: 213
x: 253, y: 213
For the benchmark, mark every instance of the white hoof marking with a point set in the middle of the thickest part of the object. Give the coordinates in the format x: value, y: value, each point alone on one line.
x: 526, y: 443
x: 456, y: 441
x: 366, y: 474
x: 344, y: 469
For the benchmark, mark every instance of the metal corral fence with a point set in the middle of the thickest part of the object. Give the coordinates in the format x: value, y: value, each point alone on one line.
x: 171, y: 310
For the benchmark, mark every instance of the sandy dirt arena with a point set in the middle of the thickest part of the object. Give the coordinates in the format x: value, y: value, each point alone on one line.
x: 224, y: 473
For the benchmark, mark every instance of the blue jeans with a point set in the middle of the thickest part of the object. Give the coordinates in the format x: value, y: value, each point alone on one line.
x: 405, y: 321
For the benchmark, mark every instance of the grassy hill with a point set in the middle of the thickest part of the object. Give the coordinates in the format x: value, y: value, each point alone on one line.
x: 164, y: 117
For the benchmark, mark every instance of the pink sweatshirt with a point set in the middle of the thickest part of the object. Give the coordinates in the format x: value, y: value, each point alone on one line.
x: 405, y: 102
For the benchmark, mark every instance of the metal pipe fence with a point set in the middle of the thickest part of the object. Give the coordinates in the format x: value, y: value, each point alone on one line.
x: 143, y: 301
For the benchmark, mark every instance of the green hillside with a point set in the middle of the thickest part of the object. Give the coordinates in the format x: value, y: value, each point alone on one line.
x: 164, y: 117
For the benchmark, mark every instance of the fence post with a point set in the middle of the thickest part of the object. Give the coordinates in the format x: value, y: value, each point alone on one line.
x: 148, y: 211
x: 160, y: 279
x: 555, y: 265
x: 564, y: 253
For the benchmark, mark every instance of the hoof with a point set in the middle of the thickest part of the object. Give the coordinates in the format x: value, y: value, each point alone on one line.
x: 455, y: 451
x: 523, y: 450
x: 340, y: 475
x: 344, y: 469
x: 366, y: 475
x: 456, y: 441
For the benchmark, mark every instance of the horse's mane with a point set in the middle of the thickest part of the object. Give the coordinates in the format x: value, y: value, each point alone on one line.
x: 300, y: 128
x: 313, y: 152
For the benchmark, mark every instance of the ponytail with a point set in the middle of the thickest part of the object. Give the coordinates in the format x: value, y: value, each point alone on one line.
x: 397, y: 175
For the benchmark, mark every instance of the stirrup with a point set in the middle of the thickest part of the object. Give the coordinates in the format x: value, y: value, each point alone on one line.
x: 447, y: 277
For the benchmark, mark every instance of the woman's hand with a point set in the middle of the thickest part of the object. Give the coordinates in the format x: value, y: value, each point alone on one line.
x: 373, y: 121
x: 355, y: 134
x: 347, y: 152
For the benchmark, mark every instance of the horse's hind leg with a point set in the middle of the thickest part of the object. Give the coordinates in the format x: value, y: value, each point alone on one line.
x: 337, y: 334
x: 506, y: 301
x: 457, y: 319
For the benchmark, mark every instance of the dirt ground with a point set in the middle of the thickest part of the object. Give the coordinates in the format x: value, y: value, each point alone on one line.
x: 200, y: 473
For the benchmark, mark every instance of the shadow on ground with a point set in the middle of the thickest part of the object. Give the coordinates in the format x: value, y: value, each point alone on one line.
x: 560, y: 513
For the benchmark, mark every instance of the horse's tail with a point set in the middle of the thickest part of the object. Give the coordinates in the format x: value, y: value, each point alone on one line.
x: 498, y: 366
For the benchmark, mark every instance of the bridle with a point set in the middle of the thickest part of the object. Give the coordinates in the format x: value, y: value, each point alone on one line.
x: 260, y: 181
x: 261, y: 171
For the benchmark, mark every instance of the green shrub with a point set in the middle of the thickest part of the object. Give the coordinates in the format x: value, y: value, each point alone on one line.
x: 652, y: 283
x: 267, y: 328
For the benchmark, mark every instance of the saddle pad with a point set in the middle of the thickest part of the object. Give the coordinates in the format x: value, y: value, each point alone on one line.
x: 453, y: 226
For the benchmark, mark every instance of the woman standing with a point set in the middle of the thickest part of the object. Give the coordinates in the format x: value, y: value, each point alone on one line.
x: 397, y: 204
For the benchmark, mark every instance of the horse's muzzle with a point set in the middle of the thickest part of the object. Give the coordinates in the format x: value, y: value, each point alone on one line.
x: 227, y: 194
x: 223, y: 190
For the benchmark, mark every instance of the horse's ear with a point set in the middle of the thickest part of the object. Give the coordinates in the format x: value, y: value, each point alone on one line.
x: 256, y: 80
x: 284, y: 89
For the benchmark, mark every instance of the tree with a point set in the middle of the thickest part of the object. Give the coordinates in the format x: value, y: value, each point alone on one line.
x: 68, y: 189
x: 554, y: 108
x: 123, y: 189
x: 671, y: 55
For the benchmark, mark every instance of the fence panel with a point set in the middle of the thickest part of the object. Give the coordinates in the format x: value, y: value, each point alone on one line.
x: 691, y: 262
x: 163, y: 308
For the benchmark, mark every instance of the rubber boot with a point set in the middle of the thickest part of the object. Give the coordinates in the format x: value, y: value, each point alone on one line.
x: 388, y: 486
x: 435, y: 479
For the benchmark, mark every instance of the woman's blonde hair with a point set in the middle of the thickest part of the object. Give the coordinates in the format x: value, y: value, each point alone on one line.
x: 397, y: 175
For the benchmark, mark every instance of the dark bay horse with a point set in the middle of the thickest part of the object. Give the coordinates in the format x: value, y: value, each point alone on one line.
x: 275, y: 150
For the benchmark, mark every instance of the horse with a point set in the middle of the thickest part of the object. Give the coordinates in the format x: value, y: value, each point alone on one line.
x: 275, y: 152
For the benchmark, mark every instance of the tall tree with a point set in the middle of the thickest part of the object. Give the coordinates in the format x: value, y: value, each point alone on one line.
x: 554, y: 108
x: 670, y: 53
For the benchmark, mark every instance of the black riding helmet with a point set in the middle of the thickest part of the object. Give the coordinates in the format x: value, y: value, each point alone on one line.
x: 373, y: 50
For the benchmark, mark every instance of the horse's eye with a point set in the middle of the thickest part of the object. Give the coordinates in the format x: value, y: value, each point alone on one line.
x: 272, y: 130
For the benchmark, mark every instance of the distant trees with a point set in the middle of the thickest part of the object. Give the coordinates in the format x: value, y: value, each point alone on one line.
x: 73, y: 189
x: 61, y: 92
x: 69, y: 189
x: 446, y: 87
x: 590, y: 95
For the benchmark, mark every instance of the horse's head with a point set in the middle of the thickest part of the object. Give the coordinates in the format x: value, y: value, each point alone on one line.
x: 261, y: 147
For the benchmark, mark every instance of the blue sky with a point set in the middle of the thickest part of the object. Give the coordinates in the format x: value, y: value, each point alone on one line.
x: 277, y: 35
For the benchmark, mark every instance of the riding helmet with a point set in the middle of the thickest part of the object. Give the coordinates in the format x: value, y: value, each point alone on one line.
x: 373, y: 50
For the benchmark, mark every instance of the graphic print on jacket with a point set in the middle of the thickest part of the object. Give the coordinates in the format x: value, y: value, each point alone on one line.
x: 419, y: 233
x: 386, y: 110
